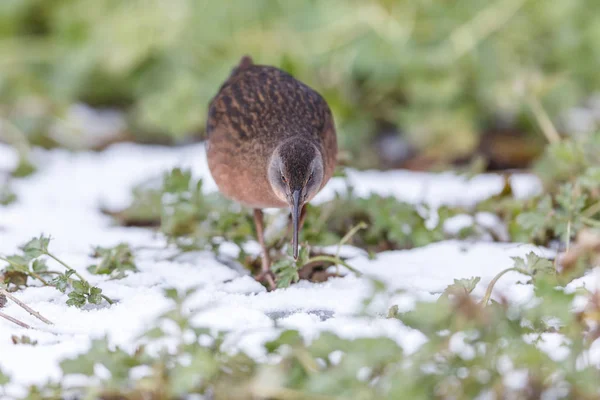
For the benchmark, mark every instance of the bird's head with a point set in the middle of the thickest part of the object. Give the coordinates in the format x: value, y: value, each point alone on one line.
x: 296, y: 175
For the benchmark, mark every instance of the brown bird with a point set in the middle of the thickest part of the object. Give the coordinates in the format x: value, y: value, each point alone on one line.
x: 271, y: 144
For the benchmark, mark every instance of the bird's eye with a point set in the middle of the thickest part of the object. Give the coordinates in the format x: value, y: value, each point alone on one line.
x: 283, y: 179
x: 312, y: 175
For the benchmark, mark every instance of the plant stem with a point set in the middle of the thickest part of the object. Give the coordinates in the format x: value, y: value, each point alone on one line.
x: 591, y: 210
x: 31, y: 273
x: 568, y: 235
x: 39, y: 278
x: 336, y: 261
x: 14, y: 320
x: 108, y: 300
x: 490, y: 288
x: 590, y: 222
x: 543, y: 120
x: 25, y: 306
x: 348, y: 236
x: 58, y: 260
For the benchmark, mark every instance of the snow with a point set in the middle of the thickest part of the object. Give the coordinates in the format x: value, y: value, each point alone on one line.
x: 63, y: 199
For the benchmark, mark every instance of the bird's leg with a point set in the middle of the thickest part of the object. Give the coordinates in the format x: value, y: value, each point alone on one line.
x: 265, y: 273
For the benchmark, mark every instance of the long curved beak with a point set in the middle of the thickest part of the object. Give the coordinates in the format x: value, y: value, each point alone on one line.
x: 295, y: 220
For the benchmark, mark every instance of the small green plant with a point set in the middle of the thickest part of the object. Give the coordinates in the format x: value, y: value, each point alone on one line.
x: 145, y: 208
x: 83, y: 293
x: 472, y: 345
x: 4, y: 379
x: 570, y: 172
x: 287, y: 270
x: 30, y: 264
x: 7, y: 196
x: 188, y: 217
x: 390, y: 223
x: 114, y: 261
x: 24, y: 168
x: 192, y: 219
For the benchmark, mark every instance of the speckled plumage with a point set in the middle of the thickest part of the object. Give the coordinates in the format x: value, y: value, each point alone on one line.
x: 271, y: 143
x: 256, y: 109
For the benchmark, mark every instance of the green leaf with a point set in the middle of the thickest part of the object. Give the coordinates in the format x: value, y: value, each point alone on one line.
x: 536, y: 222
x: 177, y: 181
x: 155, y: 333
x: 464, y: 285
x: 286, y: 272
x: 81, y: 287
x: 4, y: 379
x: 288, y: 337
x: 95, y: 290
x: 532, y: 265
x: 36, y: 247
x: 115, y: 261
x: 18, y: 263
x: 591, y: 178
x: 61, y: 282
x: 7, y: 196
x: 94, y: 299
x: 39, y: 265
x: 76, y: 299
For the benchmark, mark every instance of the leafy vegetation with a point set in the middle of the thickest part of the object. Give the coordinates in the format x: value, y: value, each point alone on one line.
x: 473, y: 348
x: 569, y: 203
x: 114, y: 261
x: 389, y: 223
x: 475, y: 345
x: 31, y: 265
x: 7, y: 196
x: 193, y: 220
x: 463, y: 81
x: 440, y: 73
x: 185, y: 215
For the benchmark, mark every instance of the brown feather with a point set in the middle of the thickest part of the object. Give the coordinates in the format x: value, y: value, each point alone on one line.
x: 256, y: 109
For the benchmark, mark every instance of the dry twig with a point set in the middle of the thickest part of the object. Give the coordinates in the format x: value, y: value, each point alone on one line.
x: 30, y: 310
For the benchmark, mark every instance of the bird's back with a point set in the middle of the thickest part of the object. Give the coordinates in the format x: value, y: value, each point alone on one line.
x: 256, y: 109
x: 267, y: 104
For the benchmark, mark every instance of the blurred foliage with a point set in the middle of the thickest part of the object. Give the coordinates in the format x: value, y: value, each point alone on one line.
x: 7, y: 196
x: 188, y: 217
x: 114, y: 261
x: 31, y: 264
x: 390, y: 224
x: 194, y: 220
x: 570, y: 199
x: 440, y: 72
x: 473, y: 349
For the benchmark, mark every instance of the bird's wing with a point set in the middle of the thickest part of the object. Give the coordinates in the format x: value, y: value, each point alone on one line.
x: 245, y: 63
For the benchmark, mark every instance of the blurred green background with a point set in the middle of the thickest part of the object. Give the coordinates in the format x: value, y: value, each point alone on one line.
x: 412, y: 83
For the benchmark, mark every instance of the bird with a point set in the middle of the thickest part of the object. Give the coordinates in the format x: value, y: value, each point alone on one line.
x: 271, y: 143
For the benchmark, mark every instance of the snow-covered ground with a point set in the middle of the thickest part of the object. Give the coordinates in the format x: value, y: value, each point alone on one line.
x: 62, y: 199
